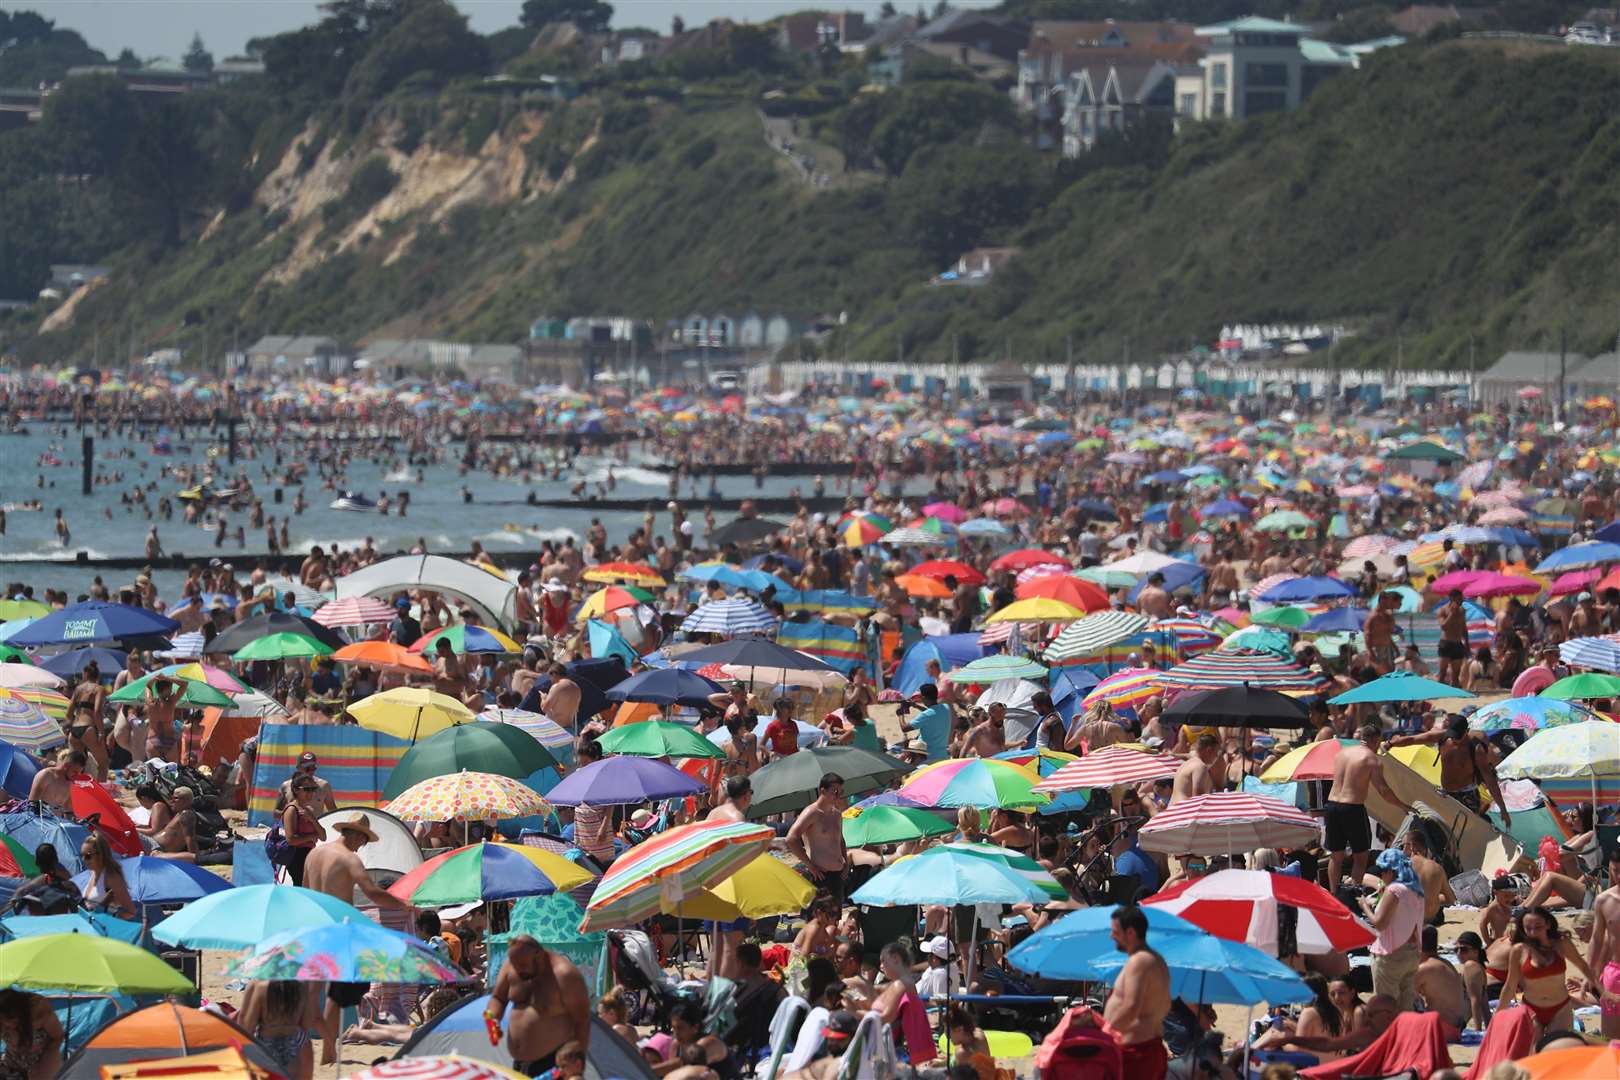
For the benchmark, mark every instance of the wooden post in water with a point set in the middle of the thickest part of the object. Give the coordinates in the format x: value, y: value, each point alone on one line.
x: 87, y: 450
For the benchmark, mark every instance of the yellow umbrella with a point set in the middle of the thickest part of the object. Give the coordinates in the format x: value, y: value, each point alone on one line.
x: 465, y: 796
x: 766, y: 886
x: 410, y: 712
x: 1037, y: 609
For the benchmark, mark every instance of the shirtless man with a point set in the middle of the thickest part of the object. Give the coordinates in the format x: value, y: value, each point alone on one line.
x: 989, y: 738
x: 739, y: 793
x: 1453, y: 639
x: 550, y: 1005
x: 561, y: 702
x: 335, y: 869
x: 1136, y: 1009
x: 1153, y: 601
x: 1437, y: 892
x: 177, y: 840
x: 307, y: 764
x: 817, y: 837
x: 1379, y: 633
x: 1439, y: 985
x: 1465, y: 763
x: 1195, y: 777
x: 1605, y: 959
x: 1355, y: 770
x: 53, y: 785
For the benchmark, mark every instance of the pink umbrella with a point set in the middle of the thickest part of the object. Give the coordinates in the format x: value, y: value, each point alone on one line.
x: 1491, y: 499
x: 1228, y: 821
x: 1503, y: 515
x: 1030, y: 573
x: 1501, y: 585
x: 1109, y: 766
x: 1372, y: 544
x: 1457, y: 579
x: 1003, y: 507
x: 1356, y: 491
x: 354, y: 611
x: 1574, y: 582
x: 946, y: 512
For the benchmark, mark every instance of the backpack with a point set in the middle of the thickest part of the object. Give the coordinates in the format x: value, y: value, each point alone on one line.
x: 276, y: 848
x: 1079, y: 1049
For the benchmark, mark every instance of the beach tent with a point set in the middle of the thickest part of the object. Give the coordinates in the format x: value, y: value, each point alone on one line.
x: 460, y: 1030
x: 396, y: 852
x: 492, y: 596
x: 218, y: 737
x: 554, y: 921
x: 164, y: 1030
x: 951, y: 650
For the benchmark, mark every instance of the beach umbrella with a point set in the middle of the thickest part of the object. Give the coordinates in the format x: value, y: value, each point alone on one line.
x: 1313, y: 761
x: 53, y: 703
x: 1297, y: 589
x: 23, y: 724
x: 548, y: 733
x: 11, y: 610
x: 272, y: 622
x: 992, y: 669
x: 19, y: 676
x: 1037, y: 609
x: 354, y: 611
x: 755, y: 653
x: 466, y: 796
x: 1239, y: 706
x: 1529, y: 714
x: 1239, y: 668
x: 1602, y: 653
x: 1066, y: 588
x: 1570, y: 761
x: 912, y: 536
x: 152, y: 880
x: 730, y: 618
x: 218, y: 678
x: 605, y: 602
x: 944, y: 568
x: 1143, y: 563
x: 790, y: 783
x: 187, y: 646
x: 1399, y: 686
x: 410, y: 712
x: 928, y: 587
x: 1289, y: 617
x: 354, y: 950
x: 763, y: 887
x: 16, y: 860
x: 87, y: 964
x: 665, y: 867
x: 1126, y: 689
x: 1259, y: 639
x: 17, y: 769
x: 635, y: 573
x: 659, y: 739
x: 1183, y: 635
x: 1250, y: 905
x: 488, y: 871
x: 945, y: 512
x: 1457, y: 579
x: 467, y: 639
x: 241, y: 917
x: 1284, y: 521
x: 92, y: 621
x: 92, y: 802
x: 195, y: 693
x: 438, y: 1067
x: 1336, y: 620
x: 950, y: 876
x: 1589, y: 684
x: 16, y: 656
x: 1228, y: 821
x: 623, y: 781
x: 876, y: 825
x: 282, y: 647
x: 860, y: 531
x: 1493, y: 585
x: 1107, y: 767
x: 501, y: 749
x: 1575, y: 557
x: 983, y: 526
x: 383, y: 655
x: 982, y: 782
x: 1093, y: 638
x: 1573, y: 1063
x: 745, y: 531
x: 1022, y: 865
x: 667, y: 686
x: 1203, y: 968
x: 1024, y: 558
x: 1105, y: 576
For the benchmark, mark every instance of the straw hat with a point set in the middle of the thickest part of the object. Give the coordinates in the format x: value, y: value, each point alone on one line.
x: 359, y: 823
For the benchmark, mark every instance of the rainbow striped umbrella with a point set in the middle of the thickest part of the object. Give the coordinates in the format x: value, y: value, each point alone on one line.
x: 1187, y: 637
x: 50, y: 702
x: 23, y: 724
x: 1127, y: 689
x: 466, y: 639
x: 1574, y: 763
x: 983, y: 782
x: 669, y: 866
x: 548, y: 733
x: 486, y: 871
x: 1258, y: 669
x: 860, y: 531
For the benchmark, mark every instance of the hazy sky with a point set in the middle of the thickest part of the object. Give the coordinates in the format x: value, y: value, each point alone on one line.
x: 163, y: 27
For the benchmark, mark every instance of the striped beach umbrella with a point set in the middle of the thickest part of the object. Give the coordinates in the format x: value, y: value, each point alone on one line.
x: 486, y: 871
x: 861, y: 530
x: 730, y: 618
x: 50, y: 702
x: 1091, y: 639
x: 438, y: 1067
x: 604, y: 602
x: 634, y: 573
x: 1126, y: 689
x: 670, y: 865
x: 983, y: 782
x: 354, y: 611
x: 1107, y: 767
x: 1182, y: 635
x: 23, y: 724
x: 548, y: 733
x: 917, y: 537
x: 1228, y: 821
x: 1602, y: 653
x: 1259, y: 669
x: 990, y: 669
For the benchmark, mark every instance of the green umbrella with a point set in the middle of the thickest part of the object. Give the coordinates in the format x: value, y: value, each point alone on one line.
x: 502, y: 749
x: 1590, y: 684
x: 284, y: 646
x: 13, y: 655
x: 1284, y: 520
x: 1291, y: 617
x: 891, y: 825
x: 659, y: 738
x: 1108, y: 579
x: 86, y: 964
x: 790, y: 783
x: 198, y: 694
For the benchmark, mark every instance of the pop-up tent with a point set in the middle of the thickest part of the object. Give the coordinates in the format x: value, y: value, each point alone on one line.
x: 951, y: 650
x: 164, y: 1030
x: 460, y: 1030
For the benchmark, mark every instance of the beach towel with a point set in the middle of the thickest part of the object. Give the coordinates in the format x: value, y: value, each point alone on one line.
x: 1415, y: 1041
x: 355, y: 761
x: 1510, y: 1036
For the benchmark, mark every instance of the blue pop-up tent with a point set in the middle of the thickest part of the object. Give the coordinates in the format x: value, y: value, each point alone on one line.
x: 951, y: 650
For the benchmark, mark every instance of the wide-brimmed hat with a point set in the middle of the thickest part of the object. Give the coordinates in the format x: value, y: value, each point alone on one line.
x: 359, y: 823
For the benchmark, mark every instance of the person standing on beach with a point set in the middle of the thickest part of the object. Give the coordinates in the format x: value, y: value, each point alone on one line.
x: 1356, y: 770
x: 548, y: 1001
x: 817, y: 838
x: 1140, y: 1000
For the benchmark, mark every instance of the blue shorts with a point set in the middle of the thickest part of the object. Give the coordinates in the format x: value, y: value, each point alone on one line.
x: 732, y: 925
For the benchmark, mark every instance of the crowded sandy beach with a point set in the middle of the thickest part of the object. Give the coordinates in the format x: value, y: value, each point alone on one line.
x: 466, y: 730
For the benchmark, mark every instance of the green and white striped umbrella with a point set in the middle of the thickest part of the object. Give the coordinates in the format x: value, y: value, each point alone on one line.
x: 1022, y: 865
x: 991, y: 669
x: 1088, y: 640
x: 671, y: 865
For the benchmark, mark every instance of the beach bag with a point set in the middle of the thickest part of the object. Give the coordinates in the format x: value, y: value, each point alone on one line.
x: 1079, y: 1049
x: 1471, y: 888
x: 276, y: 848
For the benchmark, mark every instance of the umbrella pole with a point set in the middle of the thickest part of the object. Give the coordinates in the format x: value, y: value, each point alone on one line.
x: 973, y: 950
x: 1248, y: 1025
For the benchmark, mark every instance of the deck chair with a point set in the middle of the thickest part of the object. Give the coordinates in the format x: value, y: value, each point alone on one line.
x: 871, y: 1052
x: 788, y: 1010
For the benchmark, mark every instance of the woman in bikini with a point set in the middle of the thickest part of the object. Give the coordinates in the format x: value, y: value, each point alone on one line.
x: 281, y: 1015
x: 1537, y: 970
x: 106, y: 890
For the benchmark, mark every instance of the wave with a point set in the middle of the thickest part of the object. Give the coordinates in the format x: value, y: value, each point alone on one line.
x: 513, y: 535
x: 57, y: 555
x: 559, y: 533
x: 627, y: 474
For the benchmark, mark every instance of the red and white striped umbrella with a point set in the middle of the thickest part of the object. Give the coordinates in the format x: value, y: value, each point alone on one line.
x: 1243, y: 668
x: 1263, y: 909
x: 354, y: 611
x: 1228, y: 821
x: 1109, y: 766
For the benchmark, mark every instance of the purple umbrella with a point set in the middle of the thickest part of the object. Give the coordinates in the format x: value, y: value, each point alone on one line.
x: 622, y: 781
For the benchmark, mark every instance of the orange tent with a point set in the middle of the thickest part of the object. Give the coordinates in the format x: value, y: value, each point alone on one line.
x: 218, y: 738
x: 634, y: 712
x: 163, y: 1030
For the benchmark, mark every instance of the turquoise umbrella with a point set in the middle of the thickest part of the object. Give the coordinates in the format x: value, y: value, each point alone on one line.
x: 1399, y: 686
x: 992, y: 669
x: 240, y: 918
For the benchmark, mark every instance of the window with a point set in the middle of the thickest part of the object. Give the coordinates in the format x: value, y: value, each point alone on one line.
x: 1256, y: 102
x: 1267, y: 75
x: 1189, y: 105
x: 1217, y: 76
x: 1217, y: 105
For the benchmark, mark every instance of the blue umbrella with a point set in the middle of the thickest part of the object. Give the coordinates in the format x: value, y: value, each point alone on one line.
x: 86, y: 922
x: 983, y: 527
x: 885, y: 798
x: 1096, y: 508
x: 944, y: 876
x: 1225, y: 508
x: 74, y: 661
x: 1574, y: 557
x: 163, y: 881
x: 1177, y: 575
x: 622, y: 781
x: 1157, y: 512
x: 1203, y: 967
x: 17, y: 769
x: 93, y: 621
x: 759, y: 580
x: 667, y: 686
x: 1398, y: 686
x: 1308, y: 588
x: 31, y: 830
x: 790, y: 564
x: 1163, y: 476
x: 1345, y: 618
x: 729, y: 576
x: 241, y: 918
x: 730, y: 617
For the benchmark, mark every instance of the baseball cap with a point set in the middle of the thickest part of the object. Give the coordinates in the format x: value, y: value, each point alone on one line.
x: 840, y: 1025
x: 402, y: 603
x: 307, y: 758
x: 939, y: 945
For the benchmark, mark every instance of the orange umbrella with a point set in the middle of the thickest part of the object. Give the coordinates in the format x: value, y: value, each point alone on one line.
x: 635, y: 573
x: 918, y: 585
x: 1576, y: 1063
x: 1073, y: 591
x: 383, y: 654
